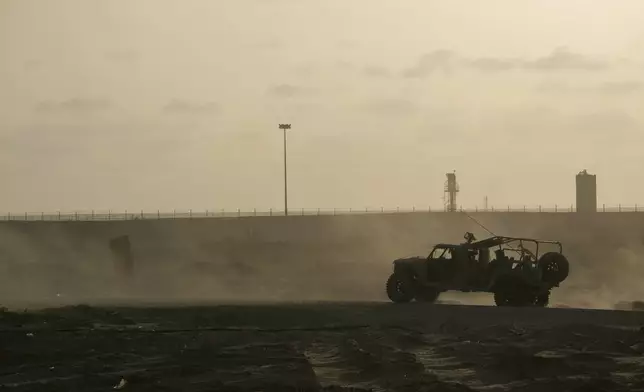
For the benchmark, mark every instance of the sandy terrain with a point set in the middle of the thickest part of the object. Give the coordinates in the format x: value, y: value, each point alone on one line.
x: 324, y: 346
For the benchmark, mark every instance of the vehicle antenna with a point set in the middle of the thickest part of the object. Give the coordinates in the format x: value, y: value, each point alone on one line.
x: 479, y: 223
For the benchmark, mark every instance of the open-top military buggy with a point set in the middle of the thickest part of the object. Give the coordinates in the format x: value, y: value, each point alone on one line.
x: 518, y: 274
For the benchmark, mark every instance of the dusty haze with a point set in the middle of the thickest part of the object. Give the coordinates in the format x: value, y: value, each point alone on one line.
x: 341, y: 258
x: 175, y: 104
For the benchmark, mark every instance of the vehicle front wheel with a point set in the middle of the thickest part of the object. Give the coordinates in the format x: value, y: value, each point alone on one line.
x: 399, y: 290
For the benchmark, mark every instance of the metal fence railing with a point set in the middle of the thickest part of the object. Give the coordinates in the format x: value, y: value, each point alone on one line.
x: 221, y: 213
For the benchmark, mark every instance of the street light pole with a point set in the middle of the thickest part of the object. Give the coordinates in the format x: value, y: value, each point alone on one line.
x: 284, y: 127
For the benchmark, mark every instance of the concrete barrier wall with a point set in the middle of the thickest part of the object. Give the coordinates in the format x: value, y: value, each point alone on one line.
x: 297, y: 257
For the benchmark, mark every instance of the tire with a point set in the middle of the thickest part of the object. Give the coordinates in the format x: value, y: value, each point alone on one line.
x: 518, y: 295
x: 501, y: 298
x: 399, y: 290
x: 554, y: 266
x: 542, y: 300
x: 505, y: 291
x: 427, y: 294
x: 510, y: 298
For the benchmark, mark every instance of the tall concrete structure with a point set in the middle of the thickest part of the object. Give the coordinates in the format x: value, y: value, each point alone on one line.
x: 451, y: 189
x: 586, y: 192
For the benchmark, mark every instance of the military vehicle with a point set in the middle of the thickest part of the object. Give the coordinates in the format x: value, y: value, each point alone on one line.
x: 517, y: 275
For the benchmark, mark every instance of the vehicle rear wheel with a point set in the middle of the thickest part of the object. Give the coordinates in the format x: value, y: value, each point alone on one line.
x: 542, y: 300
x: 427, y: 294
x: 520, y: 296
x: 399, y: 290
x: 501, y: 298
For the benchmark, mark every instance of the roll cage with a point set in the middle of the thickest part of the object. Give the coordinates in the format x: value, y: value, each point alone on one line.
x: 442, y: 249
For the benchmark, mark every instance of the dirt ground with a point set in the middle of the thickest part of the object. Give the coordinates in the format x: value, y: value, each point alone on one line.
x: 321, y: 347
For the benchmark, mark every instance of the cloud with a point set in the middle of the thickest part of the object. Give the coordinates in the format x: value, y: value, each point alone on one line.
x: 377, y: 72
x: 285, y: 91
x: 390, y: 106
x: 439, y: 60
x: 491, y: 64
x: 74, y: 105
x: 182, y: 107
x: 562, y: 59
x: 620, y: 88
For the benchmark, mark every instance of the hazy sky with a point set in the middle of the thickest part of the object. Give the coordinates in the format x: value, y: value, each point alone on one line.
x: 175, y: 104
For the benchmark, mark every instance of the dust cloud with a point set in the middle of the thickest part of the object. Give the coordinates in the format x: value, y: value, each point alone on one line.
x: 293, y: 259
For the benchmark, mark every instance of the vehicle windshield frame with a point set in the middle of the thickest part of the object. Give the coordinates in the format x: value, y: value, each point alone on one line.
x: 439, y: 249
